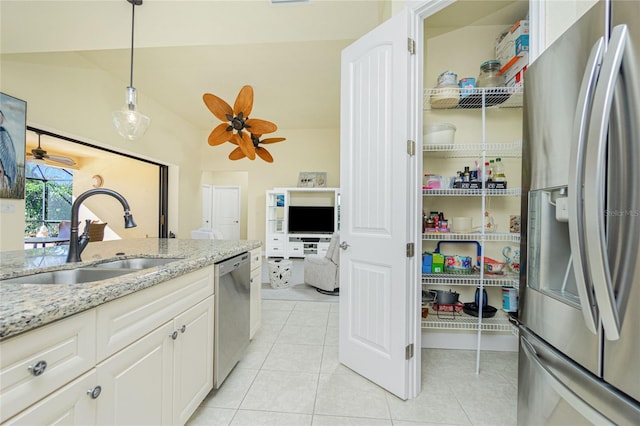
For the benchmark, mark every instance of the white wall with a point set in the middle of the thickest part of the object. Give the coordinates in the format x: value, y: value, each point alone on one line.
x: 68, y: 95
x: 561, y: 14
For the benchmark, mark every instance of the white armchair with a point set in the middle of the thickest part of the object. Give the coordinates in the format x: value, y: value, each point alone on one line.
x: 323, y: 271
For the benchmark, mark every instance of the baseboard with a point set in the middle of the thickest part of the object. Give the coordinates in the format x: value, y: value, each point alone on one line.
x: 469, y: 341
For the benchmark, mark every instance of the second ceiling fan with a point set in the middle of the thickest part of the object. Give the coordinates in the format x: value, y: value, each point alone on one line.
x: 40, y: 154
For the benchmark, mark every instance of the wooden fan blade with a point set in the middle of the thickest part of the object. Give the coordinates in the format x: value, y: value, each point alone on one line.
x: 260, y: 127
x: 236, y: 154
x: 220, y: 135
x: 244, y: 102
x: 273, y: 140
x: 235, y: 139
x: 264, y: 154
x: 247, y: 146
x: 217, y: 106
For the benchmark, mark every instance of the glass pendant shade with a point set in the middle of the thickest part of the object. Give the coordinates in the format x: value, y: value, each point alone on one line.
x: 129, y: 122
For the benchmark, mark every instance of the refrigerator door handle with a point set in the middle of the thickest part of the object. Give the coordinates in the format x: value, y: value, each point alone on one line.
x: 594, y: 195
x: 565, y: 393
x: 576, y: 184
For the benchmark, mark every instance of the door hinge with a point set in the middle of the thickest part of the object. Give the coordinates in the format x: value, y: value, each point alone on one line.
x: 408, y: 351
x: 411, y: 148
x: 410, y: 249
x: 411, y: 46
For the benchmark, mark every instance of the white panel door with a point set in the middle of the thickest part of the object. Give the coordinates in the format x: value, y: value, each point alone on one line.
x: 226, y: 211
x: 377, y: 318
x: 207, y: 205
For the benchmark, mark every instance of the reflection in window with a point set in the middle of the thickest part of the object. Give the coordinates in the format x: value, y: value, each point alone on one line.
x: 48, y: 197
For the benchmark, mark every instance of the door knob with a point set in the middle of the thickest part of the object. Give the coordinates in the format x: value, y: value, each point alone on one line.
x: 344, y: 245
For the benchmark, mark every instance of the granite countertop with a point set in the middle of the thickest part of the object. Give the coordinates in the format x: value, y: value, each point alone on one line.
x: 27, y: 306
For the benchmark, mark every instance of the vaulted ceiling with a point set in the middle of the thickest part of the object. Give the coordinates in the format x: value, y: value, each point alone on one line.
x: 289, y: 53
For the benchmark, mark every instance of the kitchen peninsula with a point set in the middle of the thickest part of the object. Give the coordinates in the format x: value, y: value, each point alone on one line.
x: 143, y: 340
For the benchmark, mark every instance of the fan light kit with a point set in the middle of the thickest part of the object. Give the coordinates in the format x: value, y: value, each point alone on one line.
x: 248, y: 130
x: 129, y: 122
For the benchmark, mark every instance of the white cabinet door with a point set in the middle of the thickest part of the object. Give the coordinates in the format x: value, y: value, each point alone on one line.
x: 226, y: 211
x: 377, y: 318
x: 193, y: 359
x: 137, y: 382
x: 70, y: 405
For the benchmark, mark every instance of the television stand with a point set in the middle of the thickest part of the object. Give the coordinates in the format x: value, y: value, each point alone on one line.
x: 279, y: 241
x: 303, y: 246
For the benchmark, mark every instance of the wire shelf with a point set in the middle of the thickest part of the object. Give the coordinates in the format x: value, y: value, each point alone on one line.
x: 462, y: 321
x: 454, y: 98
x: 471, y: 279
x: 510, y: 192
x: 476, y: 236
x: 469, y: 150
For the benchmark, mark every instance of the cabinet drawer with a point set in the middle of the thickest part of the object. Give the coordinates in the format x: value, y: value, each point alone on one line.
x: 66, y: 346
x: 123, y: 321
x: 275, y: 239
x: 276, y: 249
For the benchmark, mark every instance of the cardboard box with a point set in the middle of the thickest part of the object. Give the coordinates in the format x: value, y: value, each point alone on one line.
x: 426, y: 263
x: 514, y: 43
x: 437, y: 267
x: 515, y: 67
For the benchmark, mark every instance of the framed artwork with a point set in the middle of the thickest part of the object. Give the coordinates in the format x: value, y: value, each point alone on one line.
x: 312, y: 180
x: 13, y: 135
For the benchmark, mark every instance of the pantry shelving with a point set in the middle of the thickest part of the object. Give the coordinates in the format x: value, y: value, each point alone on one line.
x: 461, y: 321
x: 479, y: 144
x: 451, y: 236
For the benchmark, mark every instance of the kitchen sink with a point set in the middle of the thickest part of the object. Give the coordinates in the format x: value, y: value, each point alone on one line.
x: 70, y: 276
x: 137, y: 263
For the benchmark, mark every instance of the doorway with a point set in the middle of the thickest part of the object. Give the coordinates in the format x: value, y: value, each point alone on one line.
x: 143, y: 182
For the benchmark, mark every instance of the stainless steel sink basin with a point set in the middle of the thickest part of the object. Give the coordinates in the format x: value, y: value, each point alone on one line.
x: 136, y: 263
x: 70, y: 276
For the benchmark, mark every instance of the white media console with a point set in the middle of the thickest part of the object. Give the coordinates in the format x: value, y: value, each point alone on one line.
x: 300, y: 221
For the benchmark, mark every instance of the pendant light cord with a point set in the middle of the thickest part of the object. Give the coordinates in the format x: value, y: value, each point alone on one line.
x: 133, y: 16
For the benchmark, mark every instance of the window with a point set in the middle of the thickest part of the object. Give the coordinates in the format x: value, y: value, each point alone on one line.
x: 48, y: 197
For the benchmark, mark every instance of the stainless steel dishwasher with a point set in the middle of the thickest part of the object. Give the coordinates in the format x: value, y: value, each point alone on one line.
x: 231, y: 335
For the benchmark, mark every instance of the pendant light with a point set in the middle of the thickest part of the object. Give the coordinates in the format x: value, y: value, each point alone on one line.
x: 129, y: 122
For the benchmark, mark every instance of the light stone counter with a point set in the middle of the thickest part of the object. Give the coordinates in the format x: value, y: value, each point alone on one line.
x: 27, y: 306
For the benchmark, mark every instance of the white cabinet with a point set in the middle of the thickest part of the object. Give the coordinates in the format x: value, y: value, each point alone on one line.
x: 255, y: 301
x: 300, y: 221
x: 162, y: 377
x: 148, y: 356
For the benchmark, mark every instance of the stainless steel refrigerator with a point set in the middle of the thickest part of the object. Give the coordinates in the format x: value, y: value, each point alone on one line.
x: 579, y: 309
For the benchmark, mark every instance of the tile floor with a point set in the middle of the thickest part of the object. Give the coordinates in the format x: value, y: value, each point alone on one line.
x: 291, y: 376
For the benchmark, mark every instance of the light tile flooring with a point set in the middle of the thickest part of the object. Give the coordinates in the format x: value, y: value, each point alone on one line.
x: 291, y: 376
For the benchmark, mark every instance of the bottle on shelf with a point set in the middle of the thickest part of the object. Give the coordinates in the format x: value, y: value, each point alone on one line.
x: 486, y: 175
x: 498, y: 171
x: 490, y: 171
x: 466, y: 175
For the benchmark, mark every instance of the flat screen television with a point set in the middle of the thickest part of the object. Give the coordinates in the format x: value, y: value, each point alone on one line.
x: 310, y: 219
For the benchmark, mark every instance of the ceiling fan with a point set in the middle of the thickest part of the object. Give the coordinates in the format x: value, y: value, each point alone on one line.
x: 40, y: 154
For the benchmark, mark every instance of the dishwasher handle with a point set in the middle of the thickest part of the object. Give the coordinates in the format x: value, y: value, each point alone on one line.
x: 229, y: 265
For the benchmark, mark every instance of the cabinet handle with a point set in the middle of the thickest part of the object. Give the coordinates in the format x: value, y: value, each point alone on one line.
x: 38, y: 368
x: 95, y: 392
x: 183, y: 328
x: 174, y: 335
